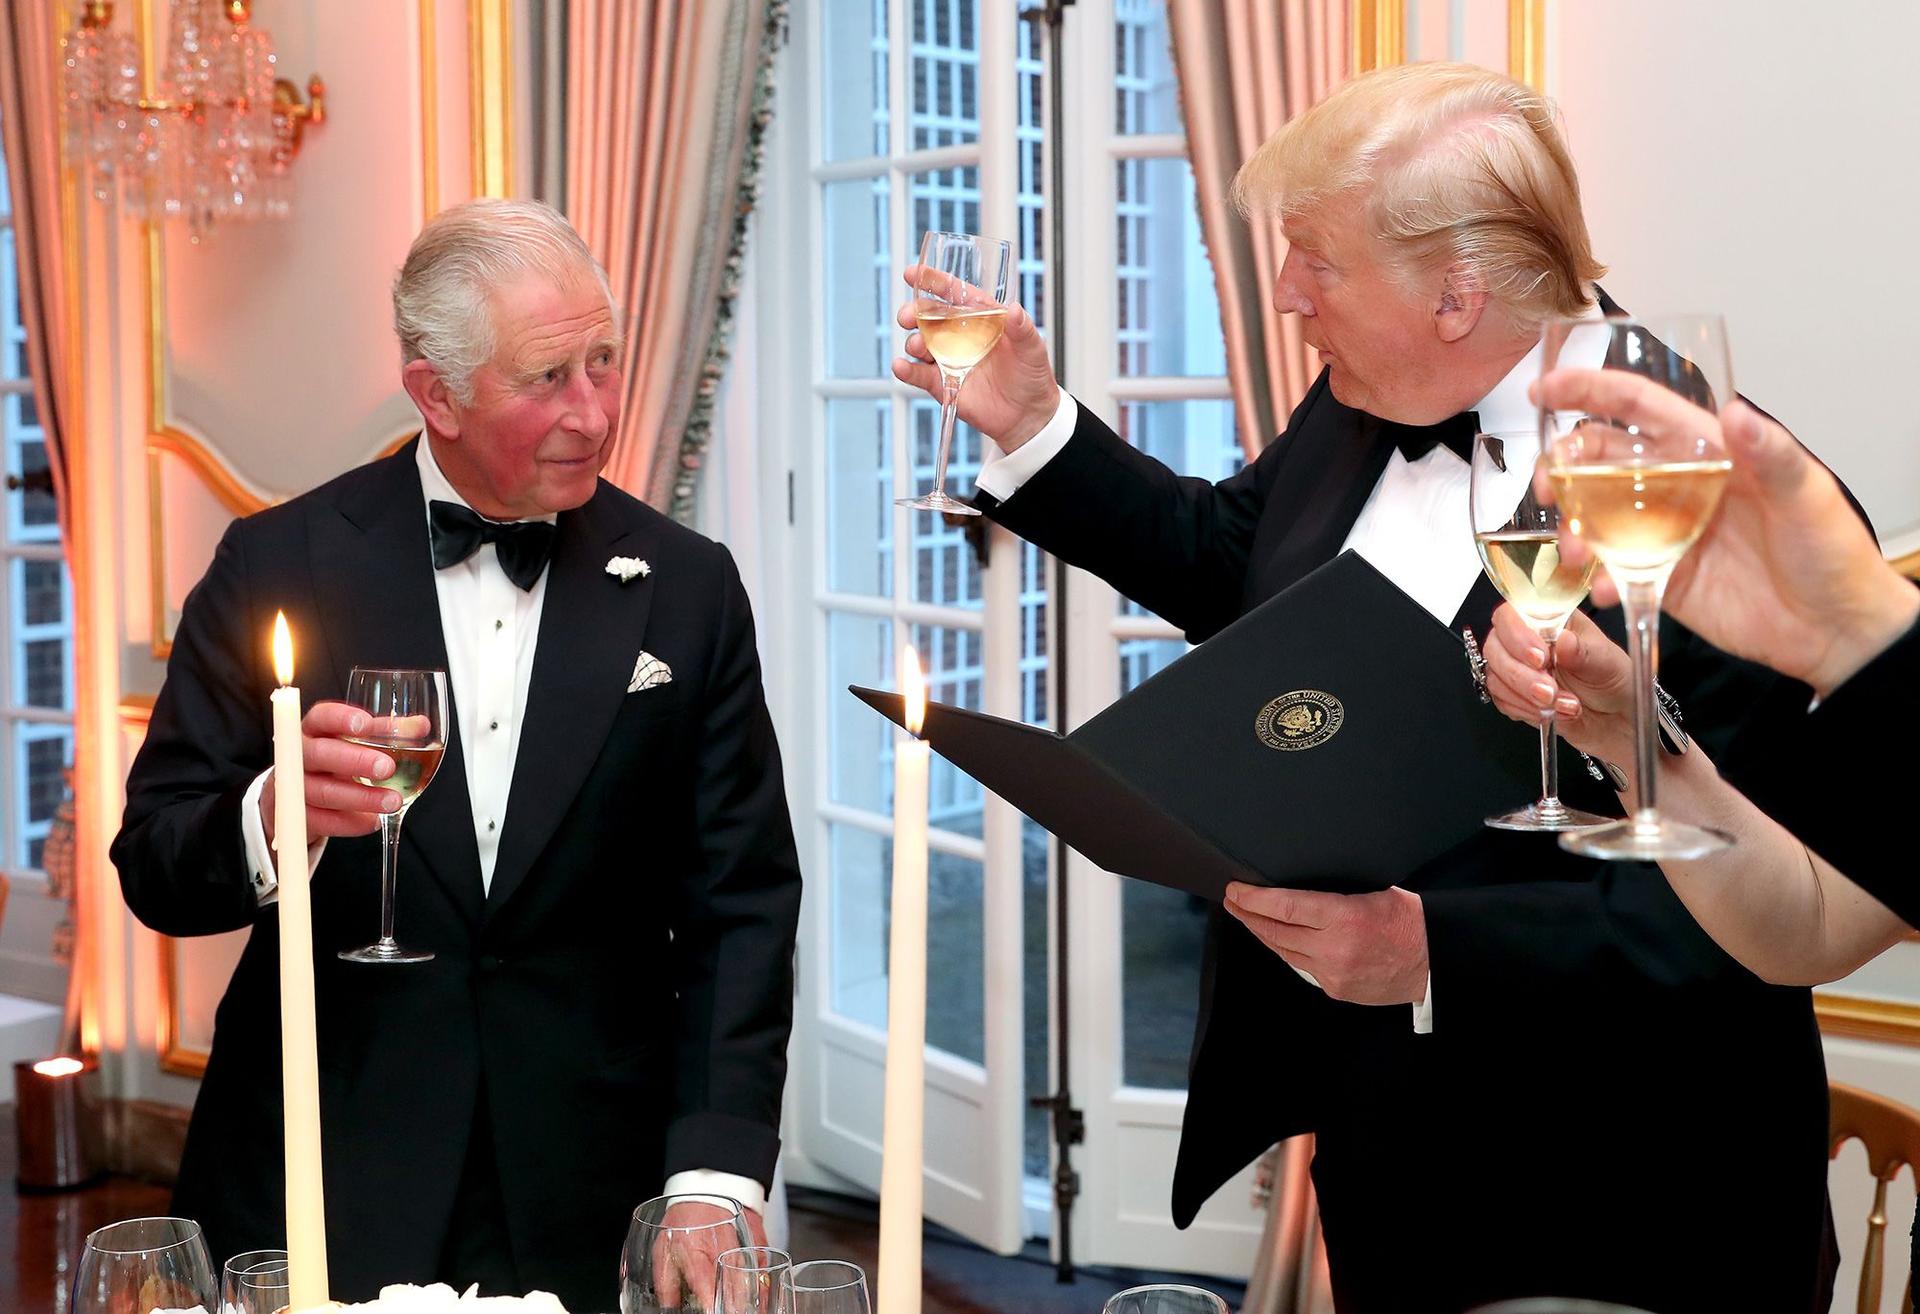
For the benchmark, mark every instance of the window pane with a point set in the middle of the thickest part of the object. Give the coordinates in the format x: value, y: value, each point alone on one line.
x: 955, y: 676
x: 1036, y: 640
x: 945, y: 201
x: 43, y: 674
x: 859, y: 280
x: 854, y: 80
x: 1146, y: 97
x: 860, y: 741
x: 862, y: 863
x: 943, y: 77
x: 860, y: 497
x: 945, y: 570
x: 1197, y: 437
x: 1034, y: 864
x: 41, y: 587
x: 1162, y: 935
x: 40, y: 764
x: 1167, y: 315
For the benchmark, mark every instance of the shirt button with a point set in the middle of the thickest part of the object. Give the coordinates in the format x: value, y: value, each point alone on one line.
x: 499, y: 624
x: 489, y: 824
x: 493, y: 725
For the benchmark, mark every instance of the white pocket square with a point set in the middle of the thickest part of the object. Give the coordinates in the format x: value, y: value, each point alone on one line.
x: 648, y: 672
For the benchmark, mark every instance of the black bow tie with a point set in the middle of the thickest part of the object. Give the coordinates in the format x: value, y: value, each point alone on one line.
x: 1456, y: 435
x: 523, y: 546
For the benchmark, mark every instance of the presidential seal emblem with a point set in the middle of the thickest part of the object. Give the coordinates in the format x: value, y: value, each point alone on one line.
x: 1297, y: 721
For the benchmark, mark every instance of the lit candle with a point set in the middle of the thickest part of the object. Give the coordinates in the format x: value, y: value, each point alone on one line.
x: 299, y: 1055
x: 902, y: 1146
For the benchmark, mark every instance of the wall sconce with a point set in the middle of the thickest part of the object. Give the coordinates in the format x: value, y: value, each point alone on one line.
x: 214, y: 143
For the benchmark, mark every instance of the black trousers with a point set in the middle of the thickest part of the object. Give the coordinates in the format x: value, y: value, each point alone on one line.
x: 478, y: 1247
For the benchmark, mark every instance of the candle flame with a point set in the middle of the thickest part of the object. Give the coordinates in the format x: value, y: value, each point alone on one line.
x: 58, y: 1067
x: 282, y: 649
x: 914, y: 686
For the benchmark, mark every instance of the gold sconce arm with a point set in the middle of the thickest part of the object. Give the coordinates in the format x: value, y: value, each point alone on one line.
x: 287, y: 105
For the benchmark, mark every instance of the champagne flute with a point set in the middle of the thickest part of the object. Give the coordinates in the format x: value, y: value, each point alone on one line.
x: 961, y: 302
x: 751, y: 1280
x: 661, y: 1265
x: 1639, y: 497
x: 409, y: 711
x: 1165, y: 1298
x: 1517, y: 535
x: 827, y: 1286
x: 255, y: 1282
x: 142, y: 1265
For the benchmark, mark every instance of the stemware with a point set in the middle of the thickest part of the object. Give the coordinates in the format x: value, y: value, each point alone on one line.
x: 144, y: 1264
x: 409, y: 710
x: 827, y: 1286
x: 1517, y: 535
x: 668, y: 1262
x: 1639, y: 496
x: 255, y: 1282
x: 1165, y: 1298
x: 751, y: 1280
x: 961, y: 303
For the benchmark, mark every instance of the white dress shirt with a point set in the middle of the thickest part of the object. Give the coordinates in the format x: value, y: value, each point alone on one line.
x: 490, y: 626
x: 1416, y: 526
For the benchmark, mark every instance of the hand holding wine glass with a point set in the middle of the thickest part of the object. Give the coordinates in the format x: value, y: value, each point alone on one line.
x: 346, y: 781
x: 1640, y: 496
x: 406, y: 724
x: 1589, y: 685
x: 1011, y: 393
x: 1788, y: 573
x: 1516, y: 533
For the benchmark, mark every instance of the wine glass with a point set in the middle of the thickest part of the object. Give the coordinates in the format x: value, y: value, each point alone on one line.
x: 827, y: 1286
x: 961, y: 302
x: 1517, y: 535
x: 666, y: 1267
x: 1165, y: 1298
x: 751, y: 1280
x: 142, y: 1265
x: 255, y: 1282
x: 1640, y: 496
x: 409, y: 710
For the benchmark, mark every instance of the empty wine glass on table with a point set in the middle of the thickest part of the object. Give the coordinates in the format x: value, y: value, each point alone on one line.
x: 142, y: 1265
x: 255, y: 1282
x: 961, y: 304
x: 409, y: 725
x: 751, y: 1280
x: 668, y: 1262
x: 1165, y: 1298
x: 1640, y: 498
x: 1518, y: 538
x: 827, y: 1286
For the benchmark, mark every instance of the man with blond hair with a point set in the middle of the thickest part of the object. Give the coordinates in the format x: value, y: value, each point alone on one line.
x: 603, y: 867
x: 1528, y: 1073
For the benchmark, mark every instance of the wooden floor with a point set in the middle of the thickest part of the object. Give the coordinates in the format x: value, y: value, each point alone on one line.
x: 41, y: 1237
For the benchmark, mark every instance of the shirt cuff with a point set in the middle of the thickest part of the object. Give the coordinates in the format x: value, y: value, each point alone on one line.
x: 253, y: 835
x: 704, y: 1181
x: 1002, y: 473
x: 1423, y: 1011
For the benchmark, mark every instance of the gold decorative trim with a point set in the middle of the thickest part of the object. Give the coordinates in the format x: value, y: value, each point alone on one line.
x: 1859, y: 1018
x: 429, y: 111
x: 1379, y: 30
x: 221, y: 481
x: 136, y: 709
x: 490, y: 87
x: 174, y: 1056
x: 1527, y: 42
x: 1908, y: 565
x: 235, y: 496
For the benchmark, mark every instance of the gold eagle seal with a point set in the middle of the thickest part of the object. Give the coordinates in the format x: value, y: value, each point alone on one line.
x: 1297, y: 721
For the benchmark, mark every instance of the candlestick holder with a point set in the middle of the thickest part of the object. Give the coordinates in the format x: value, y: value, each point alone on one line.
x: 56, y: 1113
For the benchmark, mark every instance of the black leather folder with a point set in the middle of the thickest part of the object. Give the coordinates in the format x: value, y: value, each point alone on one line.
x: 1331, y: 739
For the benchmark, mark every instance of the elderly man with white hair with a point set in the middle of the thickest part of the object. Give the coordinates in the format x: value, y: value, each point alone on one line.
x: 603, y: 867
x: 1527, y: 1073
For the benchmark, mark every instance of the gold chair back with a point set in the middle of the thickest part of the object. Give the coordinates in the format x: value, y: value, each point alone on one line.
x: 1891, y: 1133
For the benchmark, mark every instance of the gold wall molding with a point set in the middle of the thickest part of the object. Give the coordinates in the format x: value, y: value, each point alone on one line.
x: 1908, y: 565
x: 429, y: 111
x: 1857, y: 1017
x: 175, y: 1057
x: 1379, y: 32
x: 1527, y: 42
x: 490, y: 87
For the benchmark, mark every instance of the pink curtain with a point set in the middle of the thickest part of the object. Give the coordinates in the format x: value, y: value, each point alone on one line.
x: 30, y: 129
x: 665, y: 105
x: 1245, y: 67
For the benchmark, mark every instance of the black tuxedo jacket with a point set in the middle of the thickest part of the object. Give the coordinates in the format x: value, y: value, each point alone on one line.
x: 623, y: 991
x: 1608, y: 1106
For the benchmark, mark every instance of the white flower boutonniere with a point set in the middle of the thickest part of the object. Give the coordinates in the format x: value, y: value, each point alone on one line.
x: 625, y: 568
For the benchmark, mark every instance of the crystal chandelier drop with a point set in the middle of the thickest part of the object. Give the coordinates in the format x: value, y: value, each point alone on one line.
x: 215, y: 141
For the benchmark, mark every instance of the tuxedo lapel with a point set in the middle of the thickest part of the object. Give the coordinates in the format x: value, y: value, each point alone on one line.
x: 373, y: 574
x: 1319, y: 493
x: 592, y: 627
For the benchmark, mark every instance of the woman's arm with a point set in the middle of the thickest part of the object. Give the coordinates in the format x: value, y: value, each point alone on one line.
x: 1782, y: 911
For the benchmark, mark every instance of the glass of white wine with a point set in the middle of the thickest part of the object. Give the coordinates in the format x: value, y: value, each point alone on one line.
x: 961, y: 302
x: 1518, y: 538
x: 409, y: 725
x: 1640, y: 497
